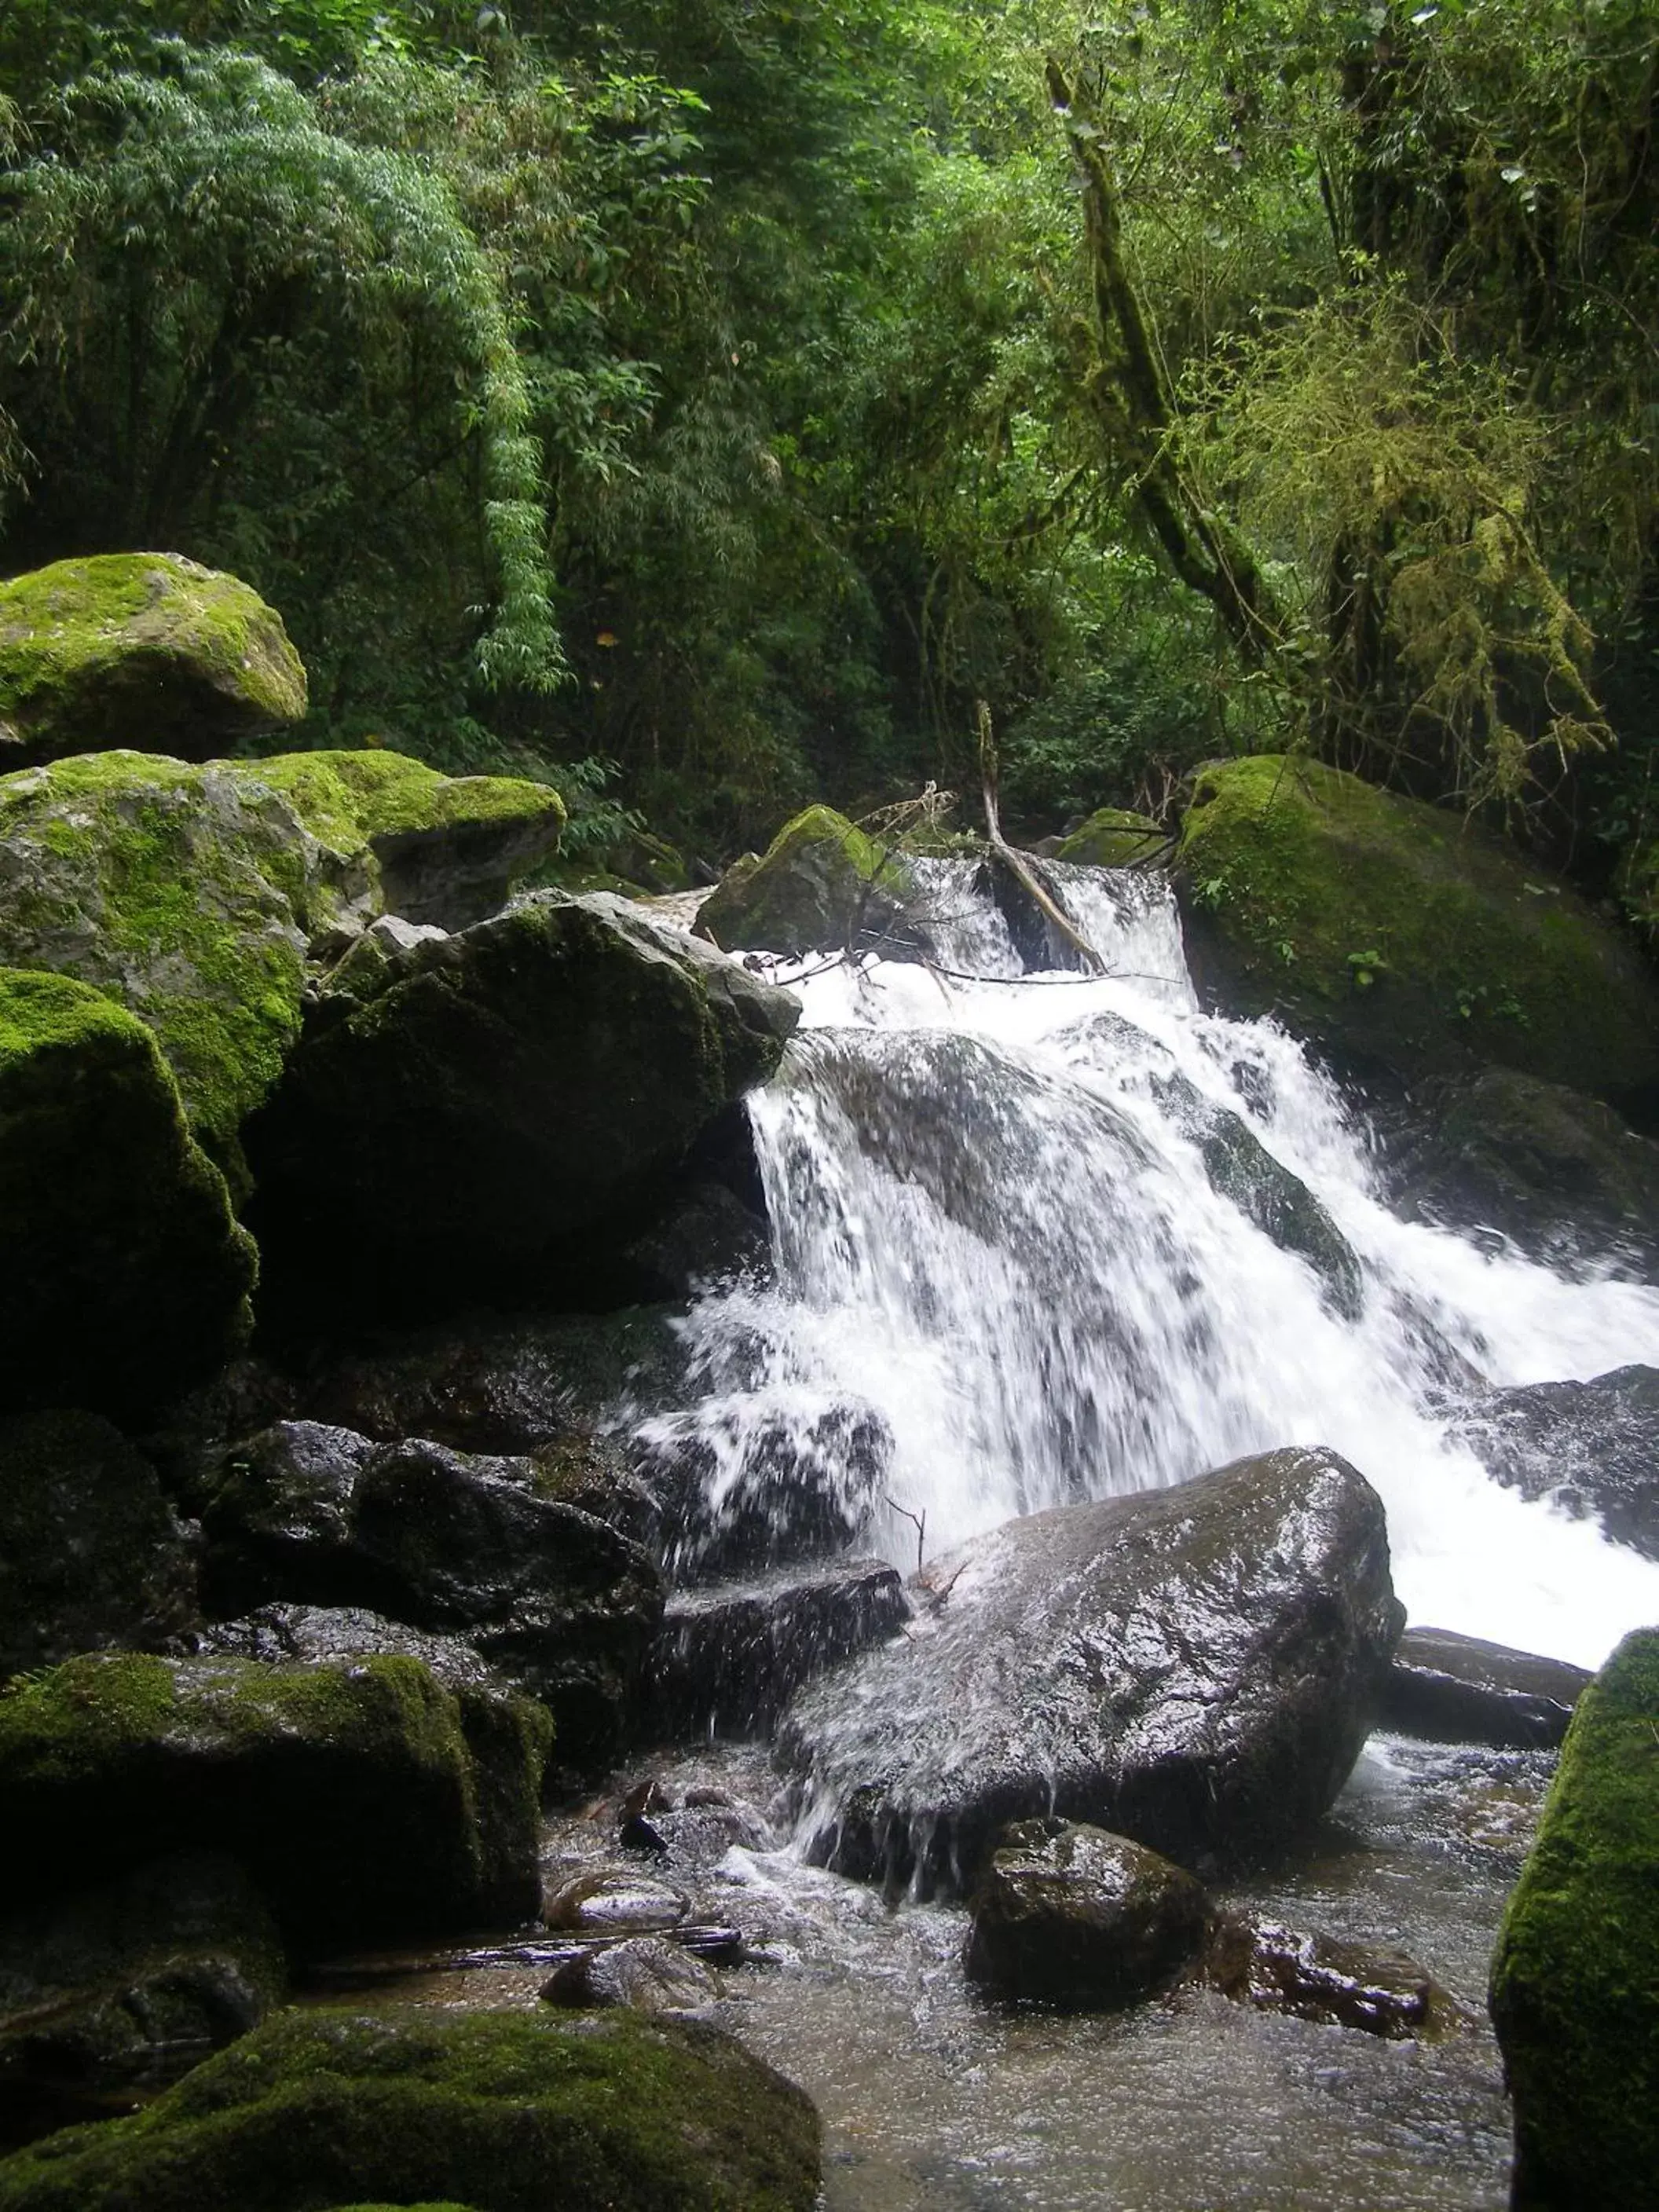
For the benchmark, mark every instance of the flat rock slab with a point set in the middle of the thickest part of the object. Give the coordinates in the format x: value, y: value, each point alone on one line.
x: 1458, y: 1689
x: 1194, y: 1668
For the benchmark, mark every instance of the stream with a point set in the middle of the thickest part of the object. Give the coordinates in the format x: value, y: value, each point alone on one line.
x: 997, y: 1224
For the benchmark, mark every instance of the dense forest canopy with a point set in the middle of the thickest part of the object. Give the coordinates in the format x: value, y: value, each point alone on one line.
x: 704, y: 406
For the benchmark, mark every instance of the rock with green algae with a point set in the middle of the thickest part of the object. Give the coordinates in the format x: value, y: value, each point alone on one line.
x: 124, y: 1986
x: 142, y: 649
x: 1393, y: 933
x: 397, y: 837
x: 1574, y: 1979
x: 90, y: 1553
x: 503, y: 2111
x: 1113, y: 837
x: 124, y: 1279
x: 502, y: 1092
x: 189, y: 892
x: 820, y: 886
x: 368, y: 1800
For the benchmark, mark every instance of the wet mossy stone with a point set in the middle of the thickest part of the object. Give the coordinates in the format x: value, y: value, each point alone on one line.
x: 504, y: 1090
x: 127, y: 1985
x: 124, y: 1279
x: 1393, y: 933
x: 820, y: 886
x: 176, y: 891
x: 433, y: 848
x: 1073, y: 1916
x: 142, y: 649
x: 366, y: 1801
x: 1575, y: 1980
x: 504, y: 2111
x: 1113, y: 837
x: 90, y: 1553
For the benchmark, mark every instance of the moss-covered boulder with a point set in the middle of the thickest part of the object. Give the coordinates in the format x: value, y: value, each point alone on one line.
x: 1575, y: 1980
x: 502, y: 1091
x: 820, y: 886
x: 177, y: 892
x: 1113, y: 837
x: 125, y: 1986
x: 396, y: 837
x: 1394, y: 933
x: 123, y: 1276
x: 90, y: 1553
x: 367, y: 1800
x: 142, y: 649
x: 504, y: 2111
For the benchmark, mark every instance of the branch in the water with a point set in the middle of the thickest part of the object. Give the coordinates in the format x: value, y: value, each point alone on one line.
x: 1012, y: 860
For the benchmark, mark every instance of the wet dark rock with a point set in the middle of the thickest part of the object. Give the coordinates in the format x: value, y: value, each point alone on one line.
x: 500, y: 1384
x: 1575, y: 1977
x: 1459, y: 1689
x: 1194, y: 1668
x: 1339, y: 1985
x: 607, y: 2112
x: 90, y: 1553
x: 823, y: 886
x: 727, y: 1659
x: 644, y: 1973
x: 709, y: 1236
x: 614, y: 1901
x: 744, y: 1486
x: 366, y: 1801
x: 126, y: 1986
x: 286, y: 1635
x: 564, y: 1605
x: 694, y: 1837
x: 1593, y: 1448
x: 1072, y: 1915
x: 502, y: 1092
x: 1557, y: 1172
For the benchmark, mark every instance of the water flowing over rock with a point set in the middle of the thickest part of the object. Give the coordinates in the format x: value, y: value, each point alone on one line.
x: 1195, y: 1670
x: 1591, y: 1447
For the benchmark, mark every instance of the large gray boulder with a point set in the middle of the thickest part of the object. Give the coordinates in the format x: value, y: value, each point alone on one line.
x: 1194, y: 1668
x: 499, y: 1093
x: 564, y: 1604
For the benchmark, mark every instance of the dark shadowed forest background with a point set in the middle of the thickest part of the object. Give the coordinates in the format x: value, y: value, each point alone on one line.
x: 703, y: 404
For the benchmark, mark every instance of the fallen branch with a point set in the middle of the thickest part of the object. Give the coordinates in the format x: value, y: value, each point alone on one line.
x: 1016, y: 864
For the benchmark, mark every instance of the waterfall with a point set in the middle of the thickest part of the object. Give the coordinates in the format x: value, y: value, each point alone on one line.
x: 1070, y: 1236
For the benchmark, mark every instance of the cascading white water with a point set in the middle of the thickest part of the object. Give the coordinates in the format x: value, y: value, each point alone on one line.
x: 994, y: 1222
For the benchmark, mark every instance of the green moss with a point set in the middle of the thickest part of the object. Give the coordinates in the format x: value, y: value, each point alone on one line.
x: 1575, y: 1986
x: 123, y: 1276
x: 509, y: 2113
x: 347, y: 798
x: 142, y: 648
x: 1391, y: 930
x: 1113, y: 838
x: 821, y: 885
x: 366, y: 1798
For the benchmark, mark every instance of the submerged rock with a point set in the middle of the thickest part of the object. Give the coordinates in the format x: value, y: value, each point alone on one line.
x: 1574, y: 1979
x: 1458, y: 1689
x: 126, y: 1986
x: 727, y: 1659
x: 609, y: 2113
x: 1073, y: 1916
x: 90, y: 1553
x: 823, y: 886
x: 1395, y: 933
x: 644, y: 1973
x: 1557, y: 1172
x: 366, y: 1800
x: 1194, y: 1668
x: 123, y: 1278
x: 1319, y: 1978
x: 561, y: 1602
x: 502, y: 1092
x: 1592, y: 1447
x: 142, y: 649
